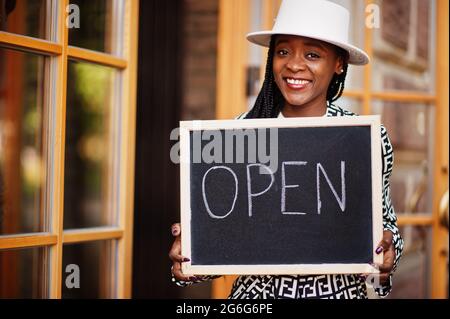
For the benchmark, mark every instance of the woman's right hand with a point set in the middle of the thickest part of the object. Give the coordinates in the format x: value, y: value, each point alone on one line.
x: 176, y: 257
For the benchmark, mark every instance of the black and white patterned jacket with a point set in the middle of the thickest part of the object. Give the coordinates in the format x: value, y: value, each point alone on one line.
x: 323, y: 286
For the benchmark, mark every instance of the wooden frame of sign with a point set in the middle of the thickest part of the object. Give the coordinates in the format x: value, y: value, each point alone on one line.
x: 191, y: 267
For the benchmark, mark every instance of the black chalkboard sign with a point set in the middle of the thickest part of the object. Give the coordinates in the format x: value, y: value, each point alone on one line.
x: 281, y: 196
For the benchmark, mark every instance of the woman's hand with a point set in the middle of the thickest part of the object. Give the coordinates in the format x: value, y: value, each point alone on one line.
x: 176, y: 257
x: 387, y: 246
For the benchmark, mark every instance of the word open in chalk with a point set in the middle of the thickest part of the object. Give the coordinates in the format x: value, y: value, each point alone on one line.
x: 339, y: 192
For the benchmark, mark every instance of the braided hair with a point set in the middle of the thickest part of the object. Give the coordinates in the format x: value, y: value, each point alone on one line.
x: 269, y: 102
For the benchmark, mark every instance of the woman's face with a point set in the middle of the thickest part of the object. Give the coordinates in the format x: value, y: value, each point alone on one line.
x: 303, y: 69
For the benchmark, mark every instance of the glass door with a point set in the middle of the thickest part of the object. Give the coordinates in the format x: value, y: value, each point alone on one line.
x: 67, y: 114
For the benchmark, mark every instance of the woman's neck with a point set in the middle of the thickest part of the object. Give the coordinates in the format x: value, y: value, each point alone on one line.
x: 304, y: 111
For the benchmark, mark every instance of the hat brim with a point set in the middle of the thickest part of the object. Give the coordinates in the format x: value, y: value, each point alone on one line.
x: 356, y: 55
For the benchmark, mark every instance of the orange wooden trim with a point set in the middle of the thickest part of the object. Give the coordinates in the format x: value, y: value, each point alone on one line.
x: 58, y: 87
x: 27, y: 240
x: 439, y: 254
x: 415, y: 219
x: 412, y: 97
x: 367, y: 84
x: 21, y: 42
x: 406, y: 96
x: 353, y: 94
x: 127, y: 157
x: 234, y: 24
x: 96, y: 57
x: 221, y: 287
x: 91, y: 234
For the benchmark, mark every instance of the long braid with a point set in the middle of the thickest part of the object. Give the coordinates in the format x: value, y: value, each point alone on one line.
x: 267, y: 103
x: 270, y: 100
x: 337, y: 84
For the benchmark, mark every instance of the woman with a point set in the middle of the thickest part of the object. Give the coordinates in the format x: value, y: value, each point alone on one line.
x: 305, y: 74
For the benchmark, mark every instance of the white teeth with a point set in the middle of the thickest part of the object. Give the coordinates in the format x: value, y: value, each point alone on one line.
x: 297, y: 82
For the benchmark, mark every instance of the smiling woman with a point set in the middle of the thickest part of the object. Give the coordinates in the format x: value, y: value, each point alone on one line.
x: 303, y: 69
x: 305, y: 74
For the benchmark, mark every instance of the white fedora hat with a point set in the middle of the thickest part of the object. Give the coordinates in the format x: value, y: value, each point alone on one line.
x: 317, y: 19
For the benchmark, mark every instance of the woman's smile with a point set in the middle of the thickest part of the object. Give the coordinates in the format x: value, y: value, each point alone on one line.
x: 297, y: 83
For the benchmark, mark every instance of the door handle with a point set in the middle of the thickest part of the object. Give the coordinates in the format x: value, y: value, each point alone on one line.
x: 443, y: 210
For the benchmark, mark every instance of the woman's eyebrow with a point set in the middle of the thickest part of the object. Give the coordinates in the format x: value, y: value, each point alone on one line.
x: 281, y: 42
x: 316, y: 45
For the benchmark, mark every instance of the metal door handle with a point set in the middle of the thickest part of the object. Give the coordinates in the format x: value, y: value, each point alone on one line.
x: 443, y: 210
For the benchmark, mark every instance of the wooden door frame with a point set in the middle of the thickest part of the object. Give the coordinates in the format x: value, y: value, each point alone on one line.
x: 439, y: 256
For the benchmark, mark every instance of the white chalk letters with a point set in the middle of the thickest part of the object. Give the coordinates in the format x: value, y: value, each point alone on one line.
x: 250, y: 195
x: 266, y: 170
x: 205, y: 200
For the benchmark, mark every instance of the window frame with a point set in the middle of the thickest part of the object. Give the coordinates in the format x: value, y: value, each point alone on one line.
x: 59, y: 52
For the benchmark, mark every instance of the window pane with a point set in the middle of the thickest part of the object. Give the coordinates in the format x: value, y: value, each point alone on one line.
x: 94, y: 262
x: 350, y: 104
x: 98, y: 29
x: 88, y: 162
x: 410, y: 128
x: 355, y: 74
x: 404, y: 47
x: 24, y: 273
x: 411, y: 280
x: 27, y: 17
x: 21, y: 142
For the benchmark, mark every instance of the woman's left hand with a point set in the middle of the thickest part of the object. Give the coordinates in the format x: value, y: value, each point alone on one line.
x: 386, y: 245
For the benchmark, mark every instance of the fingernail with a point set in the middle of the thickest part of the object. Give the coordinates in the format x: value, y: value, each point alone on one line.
x: 175, y: 232
x: 379, y: 250
x: 186, y: 259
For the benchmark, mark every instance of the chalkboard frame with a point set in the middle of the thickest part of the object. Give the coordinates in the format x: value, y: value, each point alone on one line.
x: 372, y: 121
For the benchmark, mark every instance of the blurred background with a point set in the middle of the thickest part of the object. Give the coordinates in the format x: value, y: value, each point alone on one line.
x: 90, y: 91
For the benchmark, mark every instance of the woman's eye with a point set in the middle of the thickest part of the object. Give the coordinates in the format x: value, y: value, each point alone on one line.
x: 313, y: 55
x: 282, y: 52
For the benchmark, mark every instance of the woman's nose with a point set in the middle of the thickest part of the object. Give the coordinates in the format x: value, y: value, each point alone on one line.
x: 296, y: 64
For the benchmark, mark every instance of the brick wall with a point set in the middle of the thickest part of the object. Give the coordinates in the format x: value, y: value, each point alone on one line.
x: 402, y: 62
x: 423, y: 29
x: 395, y: 21
x: 199, y: 59
x: 405, y: 26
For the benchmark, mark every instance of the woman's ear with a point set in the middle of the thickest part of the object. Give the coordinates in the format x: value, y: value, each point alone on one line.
x: 342, y: 59
x: 339, y: 69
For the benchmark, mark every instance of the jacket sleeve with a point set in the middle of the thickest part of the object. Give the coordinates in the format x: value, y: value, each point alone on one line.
x: 182, y: 283
x: 389, y: 217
